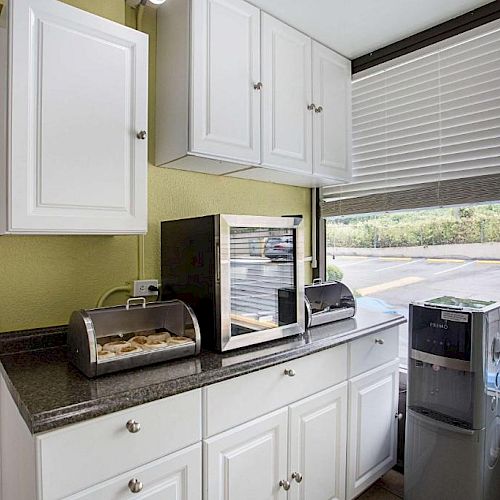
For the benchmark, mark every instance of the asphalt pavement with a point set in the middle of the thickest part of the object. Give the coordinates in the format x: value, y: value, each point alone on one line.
x: 391, y: 283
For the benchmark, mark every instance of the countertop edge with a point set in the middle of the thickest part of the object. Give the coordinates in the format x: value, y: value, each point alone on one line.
x: 55, y: 419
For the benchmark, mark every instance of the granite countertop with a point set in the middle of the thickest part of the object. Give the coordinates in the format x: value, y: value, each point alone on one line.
x: 51, y: 393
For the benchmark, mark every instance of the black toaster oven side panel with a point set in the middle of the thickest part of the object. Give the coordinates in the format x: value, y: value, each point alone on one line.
x: 188, y: 271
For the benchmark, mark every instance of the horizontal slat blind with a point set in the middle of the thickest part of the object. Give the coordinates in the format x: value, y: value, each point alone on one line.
x: 423, y: 119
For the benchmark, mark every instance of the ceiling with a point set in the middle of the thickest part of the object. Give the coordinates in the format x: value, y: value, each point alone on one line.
x: 357, y: 27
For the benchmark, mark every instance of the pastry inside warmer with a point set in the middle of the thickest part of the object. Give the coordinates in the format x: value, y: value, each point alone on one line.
x: 102, y: 354
x: 155, y: 344
x: 179, y: 340
x: 139, y: 342
x: 164, y: 336
x: 116, y: 345
x: 129, y: 349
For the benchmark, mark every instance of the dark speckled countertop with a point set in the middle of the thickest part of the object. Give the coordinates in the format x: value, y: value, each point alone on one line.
x: 51, y: 393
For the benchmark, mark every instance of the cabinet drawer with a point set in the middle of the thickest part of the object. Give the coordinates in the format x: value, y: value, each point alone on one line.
x: 79, y: 456
x: 177, y: 476
x: 235, y: 401
x: 373, y: 350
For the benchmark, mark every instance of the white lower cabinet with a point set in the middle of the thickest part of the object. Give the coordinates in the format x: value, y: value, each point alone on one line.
x: 372, y: 439
x: 295, y: 453
x: 320, y: 427
x: 249, y: 461
x: 175, y: 477
x: 317, y: 432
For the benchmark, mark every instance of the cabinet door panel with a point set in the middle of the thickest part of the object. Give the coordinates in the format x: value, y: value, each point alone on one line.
x: 318, y: 440
x: 269, y: 389
x: 372, y: 436
x: 286, y: 75
x: 103, y: 448
x: 332, y: 126
x: 225, y: 111
x: 248, y: 462
x: 175, y: 477
x: 79, y: 97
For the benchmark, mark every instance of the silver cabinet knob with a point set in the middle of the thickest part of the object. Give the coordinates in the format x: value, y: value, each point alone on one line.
x: 133, y: 426
x: 285, y: 484
x: 290, y: 372
x: 398, y: 416
x: 379, y: 341
x: 257, y: 86
x: 135, y: 486
x: 311, y: 106
x: 297, y: 476
x: 142, y: 135
x: 319, y: 109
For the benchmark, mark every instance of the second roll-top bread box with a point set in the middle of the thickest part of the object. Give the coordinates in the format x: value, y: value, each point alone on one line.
x: 328, y: 302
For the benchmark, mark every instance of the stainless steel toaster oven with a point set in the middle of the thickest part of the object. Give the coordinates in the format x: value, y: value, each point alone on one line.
x: 110, y: 339
x: 242, y: 275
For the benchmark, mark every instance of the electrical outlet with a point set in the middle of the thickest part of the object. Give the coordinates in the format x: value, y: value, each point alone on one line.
x: 141, y: 288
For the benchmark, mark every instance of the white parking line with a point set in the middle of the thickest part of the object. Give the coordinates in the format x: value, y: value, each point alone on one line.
x: 399, y: 265
x: 341, y: 265
x: 455, y: 268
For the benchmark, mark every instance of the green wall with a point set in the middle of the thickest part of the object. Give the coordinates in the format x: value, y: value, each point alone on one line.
x: 44, y: 278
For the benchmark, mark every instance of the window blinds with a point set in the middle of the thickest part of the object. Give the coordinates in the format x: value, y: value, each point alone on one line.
x: 425, y: 126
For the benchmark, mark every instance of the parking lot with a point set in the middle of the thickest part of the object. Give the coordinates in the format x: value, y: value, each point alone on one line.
x: 391, y: 283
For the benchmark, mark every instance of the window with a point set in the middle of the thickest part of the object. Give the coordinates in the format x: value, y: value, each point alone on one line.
x: 426, y: 133
x: 392, y: 259
x: 426, y: 128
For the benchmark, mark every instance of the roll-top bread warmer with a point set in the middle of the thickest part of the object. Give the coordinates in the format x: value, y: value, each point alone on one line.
x: 328, y: 302
x: 111, y: 339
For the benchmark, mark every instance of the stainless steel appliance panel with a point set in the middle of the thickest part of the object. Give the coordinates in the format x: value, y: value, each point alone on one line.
x: 243, y: 276
x: 111, y: 339
x: 452, y: 447
x: 327, y: 302
x: 445, y: 461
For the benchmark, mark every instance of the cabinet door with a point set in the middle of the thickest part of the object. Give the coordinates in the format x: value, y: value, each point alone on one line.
x: 286, y: 94
x: 175, y: 477
x: 78, y: 100
x: 372, y: 437
x: 225, y: 58
x: 332, y: 117
x: 318, y: 440
x: 248, y: 462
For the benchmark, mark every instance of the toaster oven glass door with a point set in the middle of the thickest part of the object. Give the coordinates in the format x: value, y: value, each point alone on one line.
x: 264, y: 284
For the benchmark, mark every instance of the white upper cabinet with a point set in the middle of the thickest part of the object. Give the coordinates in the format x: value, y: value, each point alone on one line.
x: 77, y: 103
x: 225, y: 104
x: 242, y: 98
x: 332, y: 120
x: 286, y: 96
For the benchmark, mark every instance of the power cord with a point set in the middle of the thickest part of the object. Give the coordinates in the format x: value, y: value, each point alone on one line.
x: 156, y: 289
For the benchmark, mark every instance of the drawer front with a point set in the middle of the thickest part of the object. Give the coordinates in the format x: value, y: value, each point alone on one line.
x: 175, y: 477
x: 373, y: 350
x: 79, y: 456
x: 233, y: 402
